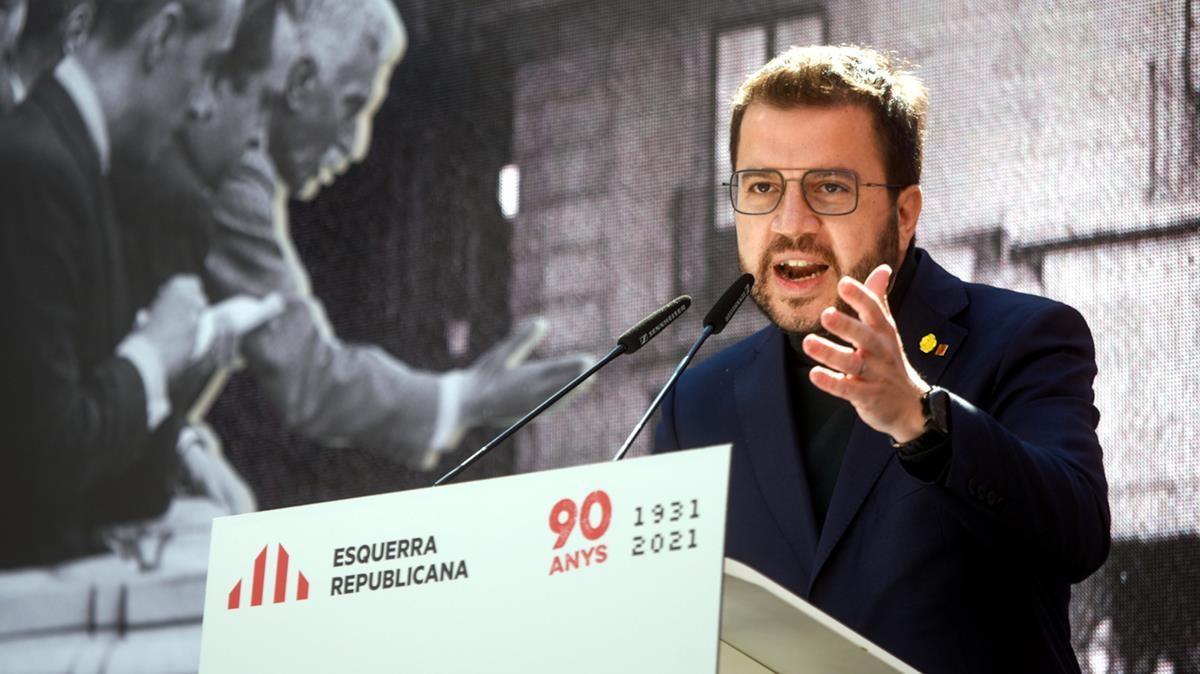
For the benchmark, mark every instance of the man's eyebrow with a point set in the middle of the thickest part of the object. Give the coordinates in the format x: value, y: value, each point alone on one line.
x: 835, y: 167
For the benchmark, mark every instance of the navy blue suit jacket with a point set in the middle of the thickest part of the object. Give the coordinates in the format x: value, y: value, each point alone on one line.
x: 969, y: 574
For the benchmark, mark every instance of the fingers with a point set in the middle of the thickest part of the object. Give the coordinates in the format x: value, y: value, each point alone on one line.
x: 514, y: 349
x: 868, y: 304
x: 552, y: 373
x: 183, y: 288
x: 869, y: 301
x: 244, y: 313
x: 271, y: 306
x: 524, y: 340
x: 835, y: 356
x: 833, y: 383
x: 850, y: 329
x: 877, y: 281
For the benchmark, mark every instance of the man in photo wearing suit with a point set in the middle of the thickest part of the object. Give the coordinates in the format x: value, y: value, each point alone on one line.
x: 90, y: 432
x: 332, y: 62
x: 914, y: 455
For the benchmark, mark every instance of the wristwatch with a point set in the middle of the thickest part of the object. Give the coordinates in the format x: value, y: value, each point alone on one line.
x: 935, y: 406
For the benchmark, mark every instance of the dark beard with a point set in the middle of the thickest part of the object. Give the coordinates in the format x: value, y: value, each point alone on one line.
x: 887, y: 250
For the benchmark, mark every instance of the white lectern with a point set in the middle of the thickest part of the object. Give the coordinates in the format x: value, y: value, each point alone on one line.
x: 615, y: 567
x: 765, y: 628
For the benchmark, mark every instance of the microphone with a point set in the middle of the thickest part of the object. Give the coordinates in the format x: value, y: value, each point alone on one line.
x: 637, y: 336
x: 714, y: 322
x: 633, y: 339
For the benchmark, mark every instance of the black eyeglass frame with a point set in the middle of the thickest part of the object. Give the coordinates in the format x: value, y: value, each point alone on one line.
x: 785, y: 180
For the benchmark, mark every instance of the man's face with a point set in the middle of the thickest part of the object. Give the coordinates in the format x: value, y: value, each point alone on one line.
x: 174, y: 80
x: 797, y: 256
x: 314, y: 142
x: 227, y: 118
x: 183, y: 180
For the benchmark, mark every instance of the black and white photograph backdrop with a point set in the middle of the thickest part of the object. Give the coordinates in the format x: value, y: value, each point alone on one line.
x: 264, y: 253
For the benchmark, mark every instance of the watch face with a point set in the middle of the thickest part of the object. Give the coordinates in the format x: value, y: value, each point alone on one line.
x: 939, y: 409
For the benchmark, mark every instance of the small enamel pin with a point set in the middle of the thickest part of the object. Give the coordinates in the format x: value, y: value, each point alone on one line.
x: 929, y: 344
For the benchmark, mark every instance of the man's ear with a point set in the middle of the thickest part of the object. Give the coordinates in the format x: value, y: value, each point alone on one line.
x: 301, y: 80
x: 162, y: 35
x: 908, y: 210
x: 77, y: 26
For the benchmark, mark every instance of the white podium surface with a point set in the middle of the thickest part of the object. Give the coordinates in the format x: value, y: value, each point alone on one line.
x: 612, y: 567
x: 766, y: 629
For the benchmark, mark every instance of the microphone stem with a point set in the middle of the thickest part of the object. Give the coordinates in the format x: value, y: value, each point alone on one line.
x: 708, y: 331
x: 617, y: 350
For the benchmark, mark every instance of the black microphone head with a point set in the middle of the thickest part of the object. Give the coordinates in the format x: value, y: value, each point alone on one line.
x: 637, y: 336
x: 718, y: 317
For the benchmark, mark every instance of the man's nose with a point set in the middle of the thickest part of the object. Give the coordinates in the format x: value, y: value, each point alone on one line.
x: 793, y: 216
x: 201, y: 107
x: 256, y: 129
x: 353, y: 139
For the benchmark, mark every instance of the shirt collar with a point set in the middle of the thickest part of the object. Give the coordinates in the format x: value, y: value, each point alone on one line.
x: 18, y: 88
x: 82, y: 91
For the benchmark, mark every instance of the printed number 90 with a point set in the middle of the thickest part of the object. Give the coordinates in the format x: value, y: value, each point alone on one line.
x: 564, y: 515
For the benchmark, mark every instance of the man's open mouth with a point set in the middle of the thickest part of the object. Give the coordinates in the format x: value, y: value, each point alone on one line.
x: 799, y: 270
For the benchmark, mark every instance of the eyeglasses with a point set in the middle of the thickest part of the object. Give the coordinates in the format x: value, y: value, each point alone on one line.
x: 826, y: 191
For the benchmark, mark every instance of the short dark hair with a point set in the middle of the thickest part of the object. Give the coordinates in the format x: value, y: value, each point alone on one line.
x: 252, y: 51
x: 882, y: 84
x: 43, y: 18
x: 118, y: 20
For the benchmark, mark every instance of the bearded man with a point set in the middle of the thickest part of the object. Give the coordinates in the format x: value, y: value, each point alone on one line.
x: 915, y: 455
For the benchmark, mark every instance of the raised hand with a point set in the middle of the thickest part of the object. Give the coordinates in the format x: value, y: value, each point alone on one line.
x: 873, y: 373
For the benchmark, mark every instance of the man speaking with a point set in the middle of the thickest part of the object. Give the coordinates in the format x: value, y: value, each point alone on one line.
x: 914, y: 455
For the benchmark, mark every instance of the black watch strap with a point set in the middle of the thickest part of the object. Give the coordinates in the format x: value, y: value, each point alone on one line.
x: 935, y: 405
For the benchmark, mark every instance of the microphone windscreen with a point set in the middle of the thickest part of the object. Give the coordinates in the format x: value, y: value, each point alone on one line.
x: 637, y: 336
x: 718, y: 317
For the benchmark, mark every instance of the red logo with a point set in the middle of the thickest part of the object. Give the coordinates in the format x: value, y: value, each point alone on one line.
x: 259, y: 581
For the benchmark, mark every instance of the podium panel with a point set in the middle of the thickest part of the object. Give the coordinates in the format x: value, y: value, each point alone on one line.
x: 767, y: 630
x: 599, y: 568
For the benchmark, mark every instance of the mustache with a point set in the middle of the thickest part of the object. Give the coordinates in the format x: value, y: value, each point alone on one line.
x: 806, y: 244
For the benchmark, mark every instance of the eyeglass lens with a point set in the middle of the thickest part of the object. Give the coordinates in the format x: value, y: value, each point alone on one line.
x: 757, y: 192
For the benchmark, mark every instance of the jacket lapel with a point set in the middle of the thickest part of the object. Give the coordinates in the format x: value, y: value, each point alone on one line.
x: 64, y: 116
x: 766, y: 419
x: 933, y: 299
x: 111, y: 293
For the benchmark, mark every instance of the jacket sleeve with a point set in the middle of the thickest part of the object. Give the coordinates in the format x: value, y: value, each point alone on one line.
x: 326, y: 389
x: 340, y: 393
x: 73, y: 419
x: 1029, y: 470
